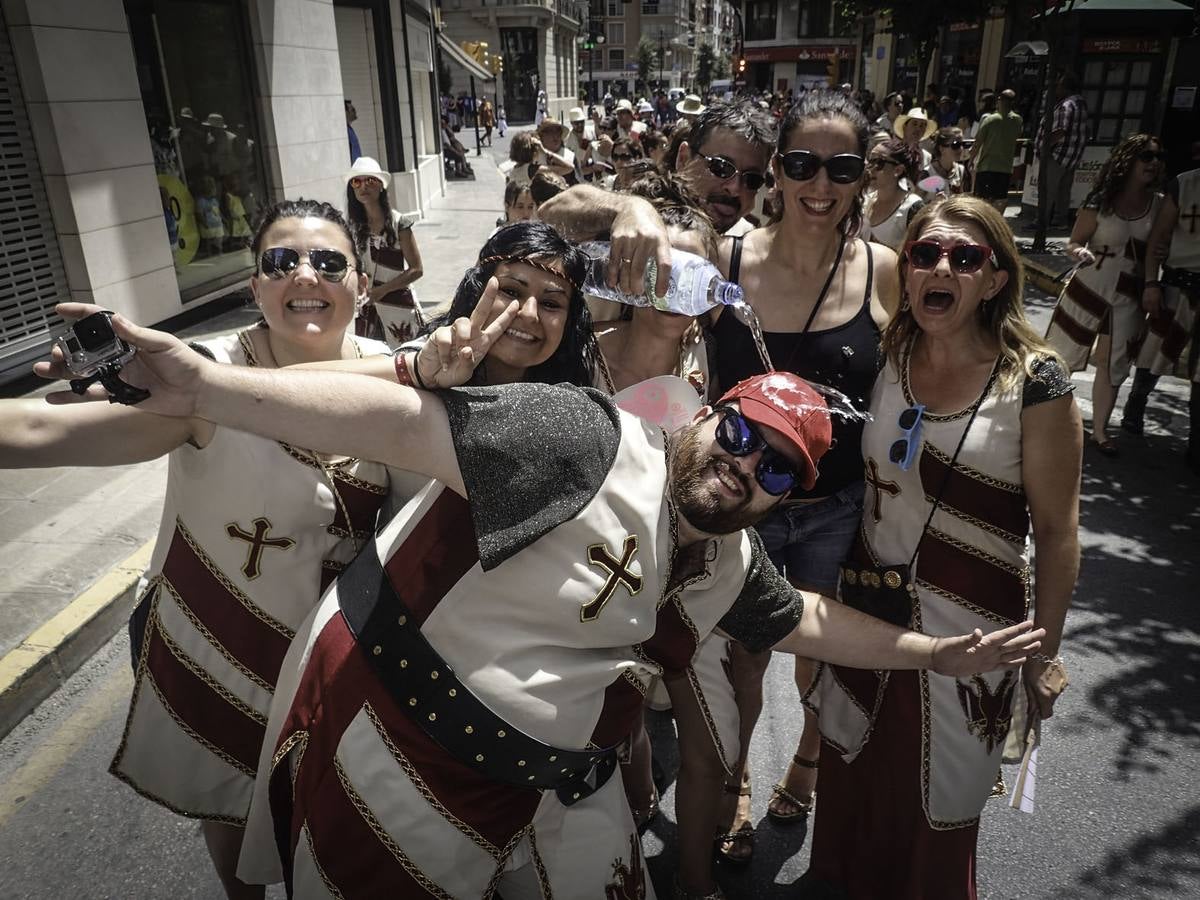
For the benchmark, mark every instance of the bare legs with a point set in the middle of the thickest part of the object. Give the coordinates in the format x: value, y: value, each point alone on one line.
x: 1104, y: 395
x: 792, y: 798
x: 224, y: 844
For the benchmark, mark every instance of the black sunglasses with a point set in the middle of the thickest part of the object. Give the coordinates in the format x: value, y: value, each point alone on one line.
x: 955, y: 144
x: 617, y: 156
x: 965, y: 259
x: 737, y: 437
x: 279, y: 262
x: 1149, y: 156
x: 803, y: 165
x: 725, y: 169
x: 904, y: 451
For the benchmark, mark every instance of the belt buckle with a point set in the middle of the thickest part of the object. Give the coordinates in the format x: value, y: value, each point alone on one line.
x: 582, y: 786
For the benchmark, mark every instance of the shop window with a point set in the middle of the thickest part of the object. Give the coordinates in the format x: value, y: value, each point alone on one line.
x: 1116, y: 91
x: 194, y: 74
x: 760, y: 20
x: 616, y: 58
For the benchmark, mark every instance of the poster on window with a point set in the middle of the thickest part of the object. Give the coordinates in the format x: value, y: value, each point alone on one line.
x: 1085, y: 177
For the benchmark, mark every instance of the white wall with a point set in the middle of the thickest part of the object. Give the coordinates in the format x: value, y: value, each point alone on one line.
x: 360, y: 80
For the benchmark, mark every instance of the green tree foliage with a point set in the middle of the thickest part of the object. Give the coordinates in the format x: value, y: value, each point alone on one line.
x: 706, y: 62
x: 647, y: 56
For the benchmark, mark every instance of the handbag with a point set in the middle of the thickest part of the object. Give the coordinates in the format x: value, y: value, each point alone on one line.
x: 889, y: 592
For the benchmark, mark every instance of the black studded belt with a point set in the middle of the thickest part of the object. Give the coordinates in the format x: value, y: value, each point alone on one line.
x: 426, y: 688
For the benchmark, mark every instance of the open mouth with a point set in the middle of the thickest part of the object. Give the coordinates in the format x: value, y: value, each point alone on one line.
x: 724, y: 206
x: 307, y: 305
x: 728, y: 479
x: 817, y: 207
x: 521, y: 337
x: 937, y: 301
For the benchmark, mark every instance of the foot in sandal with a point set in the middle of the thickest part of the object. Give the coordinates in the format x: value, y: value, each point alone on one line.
x: 792, y: 799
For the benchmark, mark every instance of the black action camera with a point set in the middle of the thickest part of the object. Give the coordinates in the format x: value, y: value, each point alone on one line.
x: 92, y: 351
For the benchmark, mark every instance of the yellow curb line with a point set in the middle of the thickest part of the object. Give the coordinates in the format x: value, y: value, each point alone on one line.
x: 34, y: 651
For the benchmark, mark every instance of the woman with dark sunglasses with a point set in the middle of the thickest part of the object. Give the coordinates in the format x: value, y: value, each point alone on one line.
x: 974, y: 438
x: 1100, y: 310
x: 822, y: 295
x: 892, y: 199
x: 946, y: 164
x: 252, y: 531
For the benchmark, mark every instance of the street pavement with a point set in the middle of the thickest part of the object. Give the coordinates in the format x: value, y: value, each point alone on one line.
x: 1117, y: 810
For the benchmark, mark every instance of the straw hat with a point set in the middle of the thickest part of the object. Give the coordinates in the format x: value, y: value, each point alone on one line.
x: 576, y: 114
x: 645, y: 107
x: 365, y: 167
x: 691, y: 105
x: 920, y: 115
x: 215, y: 120
x: 550, y: 122
x: 623, y: 105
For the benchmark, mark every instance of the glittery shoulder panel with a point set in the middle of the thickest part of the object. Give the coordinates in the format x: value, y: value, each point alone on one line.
x: 1050, y: 380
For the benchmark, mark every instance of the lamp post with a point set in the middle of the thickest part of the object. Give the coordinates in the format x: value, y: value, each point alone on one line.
x: 661, y: 48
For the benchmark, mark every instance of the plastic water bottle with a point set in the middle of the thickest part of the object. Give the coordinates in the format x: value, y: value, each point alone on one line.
x: 696, y: 284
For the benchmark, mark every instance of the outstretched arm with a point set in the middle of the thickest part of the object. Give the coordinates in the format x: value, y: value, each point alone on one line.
x: 835, y: 633
x: 330, y: 412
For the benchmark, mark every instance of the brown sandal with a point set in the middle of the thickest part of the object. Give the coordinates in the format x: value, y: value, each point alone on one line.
x: 743, y: 835
x: 803, y: 807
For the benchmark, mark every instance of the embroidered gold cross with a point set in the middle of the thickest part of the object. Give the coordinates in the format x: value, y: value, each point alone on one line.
x: 258, y: 542
x: 881, y: 487
x: 618, y: 573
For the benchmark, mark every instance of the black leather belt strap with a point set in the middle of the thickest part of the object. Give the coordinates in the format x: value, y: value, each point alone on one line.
x: 426, y: 688
x: 1186, y: 280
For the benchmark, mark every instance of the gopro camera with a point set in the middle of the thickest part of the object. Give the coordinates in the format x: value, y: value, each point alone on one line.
x: 92, y: 351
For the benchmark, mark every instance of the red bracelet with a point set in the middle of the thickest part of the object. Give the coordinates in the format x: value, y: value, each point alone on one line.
x: 403, y: 373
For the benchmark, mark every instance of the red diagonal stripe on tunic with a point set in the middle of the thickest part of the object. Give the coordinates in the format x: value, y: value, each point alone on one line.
x: 1087, y: 298
x: 440, y: 550
x: 201, y: 708
x: 250, y: 640
x: 363, y: 506
x: 971, y: 577
x: 622, y: 705
x: 997, y: 507
x: 1129, y: 285
x: 1078, y: 333
x: 673, y: 643
x: 336, y: 683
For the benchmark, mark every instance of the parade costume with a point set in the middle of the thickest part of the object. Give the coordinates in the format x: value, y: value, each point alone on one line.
x: 909, y: 757
x: 1105, y: 297
x: 547, y: 603
x: 252, y: 531
x: 1172, y: 346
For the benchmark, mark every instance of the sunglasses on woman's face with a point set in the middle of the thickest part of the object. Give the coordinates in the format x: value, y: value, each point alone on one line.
x: 737, y: 437
x: 1149, y: 156
x: 803, y: 165
x: 904, y: 451
x: 725, y: 169
x: 965, y: 259
x: 954, y: 145
x: 280, y: 262
x: 881, y: 162
x: 622, y: 157
x: 360, y: 180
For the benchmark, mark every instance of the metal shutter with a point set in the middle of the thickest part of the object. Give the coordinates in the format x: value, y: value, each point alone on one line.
x: 31, y: 270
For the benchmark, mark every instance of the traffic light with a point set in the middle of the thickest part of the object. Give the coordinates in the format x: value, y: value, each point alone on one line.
x: 497, y: 65
x: 741, y: 65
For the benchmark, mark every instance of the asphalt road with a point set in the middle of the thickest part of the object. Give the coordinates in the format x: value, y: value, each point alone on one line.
x: 1118, y: 813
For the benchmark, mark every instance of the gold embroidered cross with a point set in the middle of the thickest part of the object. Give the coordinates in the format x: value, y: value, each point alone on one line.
x: 258, y: 542
x: 618, y: 573
x: 881, y: 487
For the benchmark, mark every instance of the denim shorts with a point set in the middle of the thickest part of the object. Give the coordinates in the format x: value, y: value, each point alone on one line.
x: 808, y: 541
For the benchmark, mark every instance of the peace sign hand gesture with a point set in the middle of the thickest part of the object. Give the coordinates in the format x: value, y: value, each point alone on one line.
x: 452, y: 352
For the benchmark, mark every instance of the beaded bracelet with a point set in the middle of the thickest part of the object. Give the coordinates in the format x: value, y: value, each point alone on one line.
x: 403, y: 374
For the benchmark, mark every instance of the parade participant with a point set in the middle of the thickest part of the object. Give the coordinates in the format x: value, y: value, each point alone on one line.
x: 822, y: 296
x: 892, y: 201
x: 1100, y: 306
x: 446, y: 720
x: 1171, y: 297
x: 390, y: 255
x: 974, y: 437
x: 252, y: 531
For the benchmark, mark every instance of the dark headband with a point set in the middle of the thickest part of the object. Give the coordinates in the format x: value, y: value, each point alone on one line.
x: 530, y: 262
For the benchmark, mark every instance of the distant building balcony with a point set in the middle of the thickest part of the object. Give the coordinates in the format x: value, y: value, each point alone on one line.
x: 568, y: 12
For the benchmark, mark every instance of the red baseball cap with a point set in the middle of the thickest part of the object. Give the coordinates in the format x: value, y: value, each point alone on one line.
x: 787, y: 403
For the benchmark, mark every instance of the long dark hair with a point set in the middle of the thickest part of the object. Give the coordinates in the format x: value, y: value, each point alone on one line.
x: 1116, y: 170
x: 304, y: 209
x: 820, y: 106
x: 574, y: 359
x: 357, y: 214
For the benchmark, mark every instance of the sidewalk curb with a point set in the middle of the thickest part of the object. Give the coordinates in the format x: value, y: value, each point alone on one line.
x: 36, y: 667
x: 1041, y: 278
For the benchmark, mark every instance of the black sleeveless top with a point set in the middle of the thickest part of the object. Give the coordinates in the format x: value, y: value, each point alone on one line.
x: 846, y: 357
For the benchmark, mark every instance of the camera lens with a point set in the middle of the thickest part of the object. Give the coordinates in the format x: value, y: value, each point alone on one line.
x: 94, y: 332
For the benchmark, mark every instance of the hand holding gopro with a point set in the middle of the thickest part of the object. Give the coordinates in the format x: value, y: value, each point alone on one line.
x: 92, y: 351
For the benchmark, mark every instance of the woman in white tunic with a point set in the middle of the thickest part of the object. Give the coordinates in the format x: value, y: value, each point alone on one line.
x: 251, y: 533
x: 1101, y: 306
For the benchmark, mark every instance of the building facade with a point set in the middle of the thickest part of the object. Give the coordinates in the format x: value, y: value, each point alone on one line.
x: 537, y: 41
x: 148, y: 135
x: 789, y: 43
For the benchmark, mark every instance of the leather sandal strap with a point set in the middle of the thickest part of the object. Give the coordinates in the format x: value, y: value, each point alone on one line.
x: 787, y: 795
x: 803, y: 763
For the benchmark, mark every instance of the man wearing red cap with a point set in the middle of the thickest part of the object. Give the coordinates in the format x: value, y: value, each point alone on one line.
x: 447, y: 722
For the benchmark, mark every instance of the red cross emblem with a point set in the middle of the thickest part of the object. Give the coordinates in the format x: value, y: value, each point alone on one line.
x: 618, y: 573
x: 258, y: 542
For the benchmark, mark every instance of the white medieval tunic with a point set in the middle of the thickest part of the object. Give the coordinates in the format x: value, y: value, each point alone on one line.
x: 1106, y: 295
x: 1172, y: 346
x: 909, y: 757
x: 549, y: 596
x: 251, y: 533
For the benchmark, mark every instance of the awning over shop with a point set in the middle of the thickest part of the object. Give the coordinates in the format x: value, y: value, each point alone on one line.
x: 458, y: 55
x: 1141, y: 6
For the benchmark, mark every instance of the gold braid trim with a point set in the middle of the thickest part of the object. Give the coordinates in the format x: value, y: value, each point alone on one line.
x: 982, y: 477
x: 926, y: 764
x: 343, y: 533
x: 502, y: 861
x: 386, y: 839
x: 709, y: 721
x: 996, y: 530
x: 419, y: 783
x: 965, y: 604
x: 312, y: 854
x: 211, y: 638
x: 1019, y: 572
x: 539, y: 867
x: 228, y: 584
x: 362, y: 484
x: 637, y: 683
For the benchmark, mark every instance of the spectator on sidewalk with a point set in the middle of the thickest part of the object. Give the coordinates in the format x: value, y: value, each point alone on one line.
x: 1068, y: 140
x: 994, y: 150
x: 893, y: 105
x: 355, y: 147
x: 890, y: 203
x: 1099, y: 315
x: 518, y: 204
x: 487, y: 120
x: 915, y: 128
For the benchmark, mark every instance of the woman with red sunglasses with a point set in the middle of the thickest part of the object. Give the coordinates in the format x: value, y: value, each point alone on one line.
x: 974, y: 438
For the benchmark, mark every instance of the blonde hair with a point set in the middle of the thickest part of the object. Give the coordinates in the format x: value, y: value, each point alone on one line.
x: 1002, y: 317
